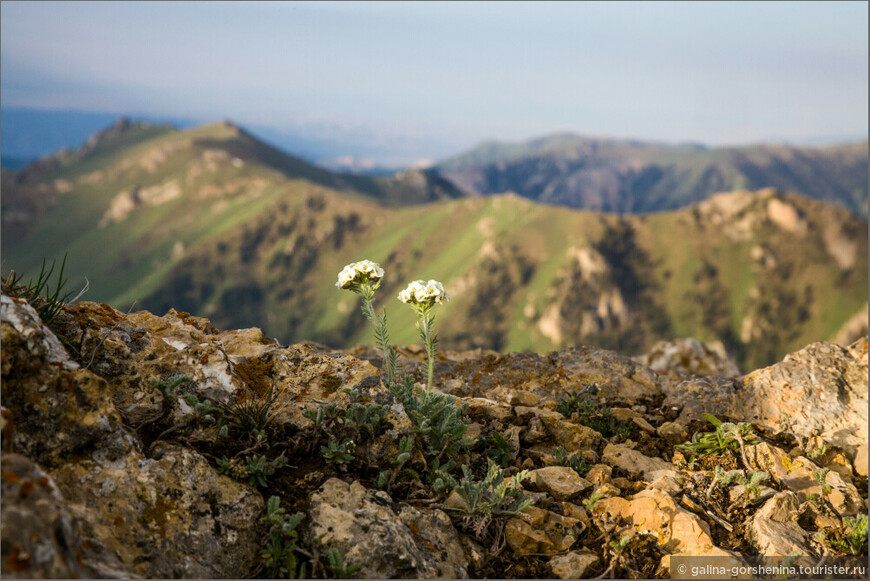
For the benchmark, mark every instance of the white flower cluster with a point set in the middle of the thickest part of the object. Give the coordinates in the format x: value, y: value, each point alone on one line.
x: 364, y: 269
x: 424, y: 292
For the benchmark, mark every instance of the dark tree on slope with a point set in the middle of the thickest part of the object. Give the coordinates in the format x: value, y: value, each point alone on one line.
x: 632, y: 270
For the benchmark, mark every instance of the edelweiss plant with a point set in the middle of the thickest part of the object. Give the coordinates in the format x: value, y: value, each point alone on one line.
x: 423, y: 296
x: 364, y: 278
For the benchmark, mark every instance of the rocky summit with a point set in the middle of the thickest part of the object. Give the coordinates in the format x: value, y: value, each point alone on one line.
x: 137, y: 446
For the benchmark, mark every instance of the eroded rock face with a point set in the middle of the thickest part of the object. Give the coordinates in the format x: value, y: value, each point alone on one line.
x: 383, y: 538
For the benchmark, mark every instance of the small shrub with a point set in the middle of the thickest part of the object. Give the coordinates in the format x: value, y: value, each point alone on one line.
x: 592, y: 415
x: 168, y: 387
x: 727, y: 437
x: 338, y: 452
x: 854, y: 530
x: 755, y: 480
x: 578, y: 464
x: 820, y: 477
x: 440, y: 423
x: 279, y: 553
x: 248, y: 419
x: 259, y: 469
x: 366, y: 418
x: 494, y: 497
x: 232, y: 468
x: 589, y: 503
x: 337, y: 566
x: 385, y: 479
x: 499, y: 449
x: 723, y: 478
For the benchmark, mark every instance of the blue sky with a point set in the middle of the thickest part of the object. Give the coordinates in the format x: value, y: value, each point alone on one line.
x: 413, y: 80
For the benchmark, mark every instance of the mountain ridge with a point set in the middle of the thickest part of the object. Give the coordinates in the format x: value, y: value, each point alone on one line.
x: 210, y: 221
x: 635, y: 176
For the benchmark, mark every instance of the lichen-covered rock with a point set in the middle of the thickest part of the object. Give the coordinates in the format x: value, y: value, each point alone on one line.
x: 39, y: 536
x: 34, y: 336
x: 383, y: 538
x: 172, y: 516
x: 61, y: 412
x: 619, y: 379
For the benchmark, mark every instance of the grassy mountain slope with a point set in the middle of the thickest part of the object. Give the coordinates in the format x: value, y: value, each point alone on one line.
x: 213, y: 222
x: 633, y: 176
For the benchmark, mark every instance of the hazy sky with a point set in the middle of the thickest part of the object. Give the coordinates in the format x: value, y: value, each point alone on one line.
x: 431, y: 79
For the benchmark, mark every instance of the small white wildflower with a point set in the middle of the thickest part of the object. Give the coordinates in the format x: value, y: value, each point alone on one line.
x: 434, y: 291
x: 421, y: 292
x: 412, y: 291
x: 359, y: 272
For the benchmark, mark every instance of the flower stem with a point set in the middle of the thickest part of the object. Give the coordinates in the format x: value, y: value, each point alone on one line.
x: 430, y: 341
x: 367, y: 293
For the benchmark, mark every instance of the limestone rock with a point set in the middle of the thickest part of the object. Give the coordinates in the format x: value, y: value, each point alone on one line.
x: 672, y: 433
x: 599, y: 474
x: 656, y: 512
x: 636, y: 463
x: 774, y: 533
x: 561, y: 482
x: 384, y: 538
x: 798, y: 475
x: 573, y: 565
x: 822, y: 387
x: 541, y: 531
x: 695, y: 396
x: 631, y: 416
x: 860, y: 462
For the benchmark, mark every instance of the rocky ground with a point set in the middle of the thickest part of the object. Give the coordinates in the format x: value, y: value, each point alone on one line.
x: 144, y: 446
